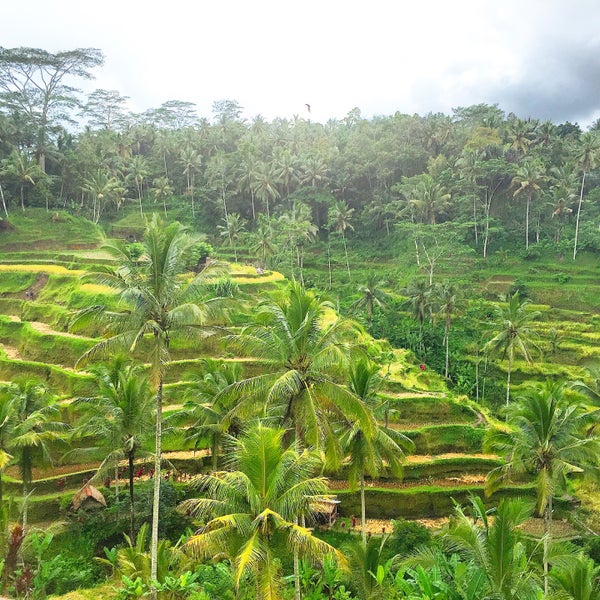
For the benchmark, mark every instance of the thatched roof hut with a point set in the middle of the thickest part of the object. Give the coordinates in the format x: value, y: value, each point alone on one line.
x: 88, y: 498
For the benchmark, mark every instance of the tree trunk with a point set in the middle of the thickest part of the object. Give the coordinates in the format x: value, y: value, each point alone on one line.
x: 131, y: 500
x: 363, y: 509
x: 527, y: 221
x: 547, y: 534
x: 156, y: 498
x: 447, y: 341
x: 508, y: 381
x: 577, y: 219
x: 3, y: 201
x: 346, y: 253
x: 297, y: 590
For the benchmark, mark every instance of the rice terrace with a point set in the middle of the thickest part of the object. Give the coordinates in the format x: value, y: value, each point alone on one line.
x: 282, y: 359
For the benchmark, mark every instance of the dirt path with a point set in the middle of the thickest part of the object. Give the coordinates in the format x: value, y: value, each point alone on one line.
x: 11, y: 353
x: 338, y: 484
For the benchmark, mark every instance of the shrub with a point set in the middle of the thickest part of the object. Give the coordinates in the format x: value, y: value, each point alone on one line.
x: 407, y: 536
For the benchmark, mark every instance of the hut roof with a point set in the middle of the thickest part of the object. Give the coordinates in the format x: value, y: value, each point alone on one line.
x: 87, y: 492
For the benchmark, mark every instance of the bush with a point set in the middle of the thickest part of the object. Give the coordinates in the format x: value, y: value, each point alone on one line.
x: 407, y: 536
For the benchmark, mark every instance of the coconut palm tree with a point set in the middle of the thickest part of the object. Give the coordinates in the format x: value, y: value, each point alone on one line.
x: 372, y: 295
x: 419, y: 300
x: 137, y: 171
x: 25, y: 170
x: 496, y: 547
x: 36, y: 426
x: 161, y: 190
x: 587, y: 156
x: 232, y: 229
x: 118, y: 419
x: 446, y: 296
x: 549, y: 437
x: 252, y: 510
x: 200, y: 416
x: 340, y: 220
x: 528, y: 181
x: 156, y: 305
x: 371, y: 451
x: 514, y: 333
x: 306, y: 346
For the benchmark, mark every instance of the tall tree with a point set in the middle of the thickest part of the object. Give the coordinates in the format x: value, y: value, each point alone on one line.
x: 371, y: 295
x: 548, y: 436
x: 340, y: 220
x: 514, y: 333
x: 528, y: 181
x: 33, y: 82
x: 157, y: 305
x: 251, y: 510
x: 307, y: 347
x: 446, y: 298
x: 105, y: 109
x: 24, y: 170
x: 370, y: 451
x: 117, y: 419
x: 587, y: 156
x: 36, y: 427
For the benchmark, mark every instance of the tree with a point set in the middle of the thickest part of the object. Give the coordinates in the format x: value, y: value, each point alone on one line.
x: 446, y: 296
x: 261, y: 240
x: 496, y: 548
x: 33, y: 83
x: 138, y: 171
x: 24, y: 170
x: 232, y: 230
x: 548, y: 436
x: 105, y: 109
x: 161, y: 189
x: 340, y: 221
x: 102, y: 187
x: 157, y: 305
x: 372, y: 295
x: 118, y: 418
x: 191, y: 162
x: 200, y: 415
x: 307, y: 346
x: 264, y: 184
x: 419, y: 300
x: 252, y: 510
x: 528, y: 181
x: 587, y: 155
x: 36, y: 426
x: 514, y: 333
x: 373, y: 450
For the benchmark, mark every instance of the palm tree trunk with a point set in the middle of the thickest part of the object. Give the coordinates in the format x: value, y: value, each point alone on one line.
x: 3, y: 201
x: 363, y: 509
x: 547, y: 533
x: 329, y: 264
x: 156, y: 498
x: 527, y: 222
x: 297, y: 590
x: 131, y: 500
x: 508, y: 381
x: 346, y: 253
x: 577, y: 219
x: 447, y: 341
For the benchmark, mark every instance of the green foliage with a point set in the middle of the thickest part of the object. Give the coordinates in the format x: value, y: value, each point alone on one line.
x: 407, y: 536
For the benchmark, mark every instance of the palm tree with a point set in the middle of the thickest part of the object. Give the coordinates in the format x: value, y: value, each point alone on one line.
x: 370, y: 451
x: 157, y: 304
x: 297, y: 227
x: 446, y: 295
x: 119, y: 418
x: 587, y: 157
x: 35, y: 427
x: 252, y: 510
x: 419, y: 300
x: 25, y: 170
x: 101, y: 186
x: 528, y: 181
x: 232, y: 230
x: 372, y: 295
x: 161, y: 189
x: 340, y: 221
x: 496, y: 548
x: 264, y: 186
x: 138, y: 171
x: 191, y: 162
x: 200, y: 415
x: 548, y: 436
x: 514, y: 333
x: 261, y: 240
x: 306, y: 346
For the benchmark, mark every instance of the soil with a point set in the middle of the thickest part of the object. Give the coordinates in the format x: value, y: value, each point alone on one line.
x: 11, y: 353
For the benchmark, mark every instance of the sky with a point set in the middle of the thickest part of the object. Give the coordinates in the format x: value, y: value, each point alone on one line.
x: 535, y: 58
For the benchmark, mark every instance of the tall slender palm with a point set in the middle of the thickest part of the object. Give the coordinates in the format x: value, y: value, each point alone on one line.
x: 306, y: 346
x: 340, y: 220
x: 25, y: 170
x: 587, y: 156
x: 514, y: 333
x: 157, y: 304
x: 371, y: 451
x: 264, y: 186
x: 191, y: 162
x: 36, y: 427
x: 252, y: 510
x: 549, y: 437
x: 372, y: 295
x: 138, y: 172
x: 261, y: 240
x: 232, y: 229
x: 161, y: 190
x: 102, y: 187
x: 118, y: 418
x: 200, y: 416
x: 419, y: 300
x: 528, y: 182
x: 446, y: 296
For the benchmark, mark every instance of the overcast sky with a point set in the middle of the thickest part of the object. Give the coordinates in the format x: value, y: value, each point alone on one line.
x: 538, y: 58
